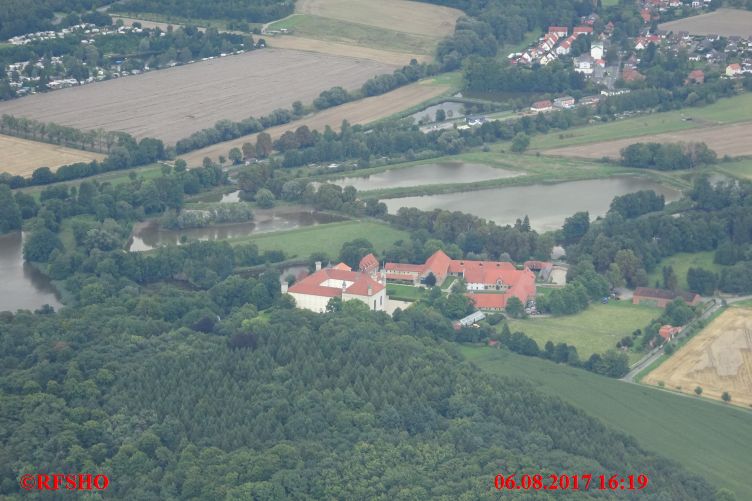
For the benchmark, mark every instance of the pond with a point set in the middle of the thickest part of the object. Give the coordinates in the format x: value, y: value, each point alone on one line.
x: 150, y: 234
x: 547, y: 205
x: 22, y: 286
x: 451, y: 108
x: 226, y: 198
x: 435, y: 173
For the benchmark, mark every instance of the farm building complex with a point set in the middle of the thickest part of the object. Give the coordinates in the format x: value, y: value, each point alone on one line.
x: 661, y: 297
x: 489, y: 283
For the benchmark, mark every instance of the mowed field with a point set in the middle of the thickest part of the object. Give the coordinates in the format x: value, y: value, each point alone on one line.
x: 362, y: 111
x: 21, y: 157
x: 725, y: 22
x: 712, y: 440
x: 594, y: 330
x: 718, y: 359
x: 404, y: 28
x: 326, y: 238
x: 171, y: 104
x: 732, y: 140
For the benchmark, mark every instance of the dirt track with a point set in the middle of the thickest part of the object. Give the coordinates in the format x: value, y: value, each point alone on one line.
x: 732, y: 140
x: 170, y: 104
x: 342, y: 49
x: 718, y: 359
x: 725, y: 22
x: 357, y: 112
x: 21, y: 157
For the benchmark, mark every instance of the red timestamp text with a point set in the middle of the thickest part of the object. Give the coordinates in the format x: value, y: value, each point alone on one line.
x: 563, y: 482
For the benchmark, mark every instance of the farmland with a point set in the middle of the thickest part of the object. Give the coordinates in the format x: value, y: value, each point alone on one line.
x: 725, y: 140
x: 409, y: 28
x: 326, y: 238
x: 595, y: 330
x: 718, y: 359
x: 722, y: 112
x: 711, y: 440
x: 171, y: 104
x: 362, y: 111
x: 20, y: 156
x: 724, y: 22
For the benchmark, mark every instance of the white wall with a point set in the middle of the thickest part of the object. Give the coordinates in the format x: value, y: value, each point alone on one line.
x: 380, y: 298
x: 309, y: 302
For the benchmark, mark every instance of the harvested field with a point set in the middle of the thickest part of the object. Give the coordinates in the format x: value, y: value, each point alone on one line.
x: 21, y: 157
x: 732, y: 140
x: 171, y: 104
x: 397, y: 15
x: 717, y: 359
x: 725, y: 22
x: 357, y: 112
x: 344, y: 49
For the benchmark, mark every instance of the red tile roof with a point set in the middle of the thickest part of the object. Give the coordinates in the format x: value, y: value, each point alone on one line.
x: 438, y: 263
x: 581, y: 30
x: 369, y: 263
x: 489, y: 301
x: 359, y: 283
x: 342, y: 266
x: 404, y: 267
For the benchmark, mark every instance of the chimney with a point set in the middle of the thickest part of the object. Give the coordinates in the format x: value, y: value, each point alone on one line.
x: 318, y: 265
x: 284, y: 287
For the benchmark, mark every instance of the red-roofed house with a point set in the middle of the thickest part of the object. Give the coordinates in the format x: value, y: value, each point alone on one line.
x: 369, y: 264
x: 733, y: 69
x: 561, y: 31
x: 541, y: 106
x: 314, y: 292
x: 582, y: 30
x: 661, y: 297
x: 646, y: 15
x: 696, y: 76
x: 667, y: 332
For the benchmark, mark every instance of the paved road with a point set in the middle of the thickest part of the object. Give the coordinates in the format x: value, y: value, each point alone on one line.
x: 656, y: 353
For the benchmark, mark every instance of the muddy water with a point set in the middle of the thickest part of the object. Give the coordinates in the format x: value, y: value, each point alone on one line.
x: 21, y: 285
x: 547, y: 205
x: 150, y: 235
x: 436, y: 173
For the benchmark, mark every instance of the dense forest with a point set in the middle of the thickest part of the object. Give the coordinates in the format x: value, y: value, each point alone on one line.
x: 252, y: 11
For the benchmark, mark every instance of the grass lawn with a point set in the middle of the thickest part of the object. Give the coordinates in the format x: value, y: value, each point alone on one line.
x: 741, y: 168
x: 711, y: 440
x: 405, y: 292
x: 724, y: 111
x: 681, y: 263
x: 594, y: 330
x: 326, y: 238
x: 336, y: 30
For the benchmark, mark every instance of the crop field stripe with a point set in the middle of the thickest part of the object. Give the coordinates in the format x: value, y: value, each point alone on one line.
x: 709, y: 439
x: 20, y: 157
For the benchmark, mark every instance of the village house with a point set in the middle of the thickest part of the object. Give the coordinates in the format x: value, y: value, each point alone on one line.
x: 541, y: 106
x: 596, y: 50
x: 560, y: 31
x: 582, y: 30
x: 316, y: 290
x: 662, y: 297
x: 733, y: 69
x: 564, y: 102
x: 584, y: 64
x: 696, y: 76
x: 667, y: 332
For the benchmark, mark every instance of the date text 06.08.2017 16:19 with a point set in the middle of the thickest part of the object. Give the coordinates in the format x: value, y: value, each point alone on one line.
x: 583, y: 482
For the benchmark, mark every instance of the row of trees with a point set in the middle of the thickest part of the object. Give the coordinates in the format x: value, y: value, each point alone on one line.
x: 250, y: 11
x: 667, y: 156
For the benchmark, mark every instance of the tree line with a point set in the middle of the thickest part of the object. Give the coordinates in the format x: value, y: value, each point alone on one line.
x: 667, y: 156
x: 250, y: 11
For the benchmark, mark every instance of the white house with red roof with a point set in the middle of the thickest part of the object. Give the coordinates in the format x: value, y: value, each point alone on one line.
x: 733, y: 69
x: 315, y: 291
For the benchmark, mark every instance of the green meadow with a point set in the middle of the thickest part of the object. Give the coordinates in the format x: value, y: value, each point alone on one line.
x: 710, y: 439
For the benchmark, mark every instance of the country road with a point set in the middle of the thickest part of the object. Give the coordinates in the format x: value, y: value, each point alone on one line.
x: 656, y: 353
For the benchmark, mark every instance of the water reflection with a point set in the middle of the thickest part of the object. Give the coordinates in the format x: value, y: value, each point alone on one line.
x: 150, y: 235
x: 547, y: 205
x: 22, y: 286
x: 436, y: 173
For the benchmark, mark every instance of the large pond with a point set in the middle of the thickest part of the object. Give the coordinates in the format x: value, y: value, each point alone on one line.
x: 150, y: 235
x: 547, y: 205
x: 451, y: 109
x: 21, y: 285
x: 435, y: 173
